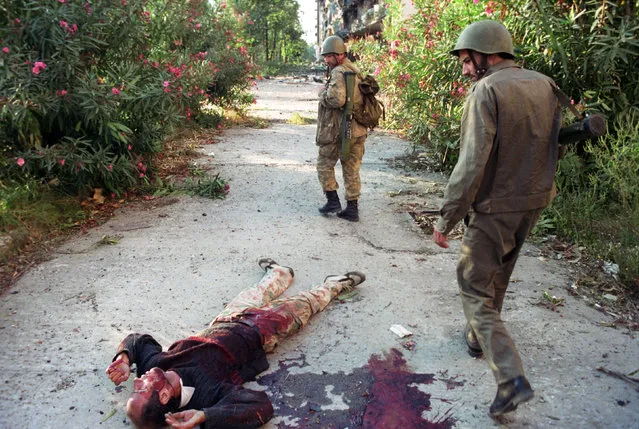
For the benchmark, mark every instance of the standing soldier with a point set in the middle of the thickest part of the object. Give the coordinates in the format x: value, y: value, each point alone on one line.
x: 505, y: 173
x: 332, y: 99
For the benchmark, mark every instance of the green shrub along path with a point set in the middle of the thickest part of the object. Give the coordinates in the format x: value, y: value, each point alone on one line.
x: 590, y: 48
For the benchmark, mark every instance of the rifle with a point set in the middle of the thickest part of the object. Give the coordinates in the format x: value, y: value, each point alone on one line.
x: 586, y: 127
x: 347, y: 117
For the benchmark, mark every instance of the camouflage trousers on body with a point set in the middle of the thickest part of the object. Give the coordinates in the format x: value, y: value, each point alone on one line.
x: 326, y: 160
x: 279, y: 318
x: 489, y: 252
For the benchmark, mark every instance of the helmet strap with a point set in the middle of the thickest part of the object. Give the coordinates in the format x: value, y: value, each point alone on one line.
x: 482, y: 67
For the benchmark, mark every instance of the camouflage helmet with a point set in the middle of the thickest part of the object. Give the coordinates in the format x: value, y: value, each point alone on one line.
x: 333, y: 45
x: 486, y: 37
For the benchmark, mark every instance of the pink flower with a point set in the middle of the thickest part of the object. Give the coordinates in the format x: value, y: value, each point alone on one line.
x: 61, y: 92
x: 5, y: 49
x: 64, y: 24
x: 62, y: 1
x: 62, y: 161
x: 110, y: 167
x: 38, y: 66
x: 198, y: 25
x: 115, y: 91
x: 166, y: 83
x: 16, y: 21
x: 141, y: 175
x: 226, y: 187
x: 73, y: 29
x: 20, y: 162
x: 475, y: 1
x: 129, y: 147
x: 123, y: 2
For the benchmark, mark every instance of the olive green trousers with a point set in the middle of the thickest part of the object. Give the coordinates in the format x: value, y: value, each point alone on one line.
x: 489, y: 251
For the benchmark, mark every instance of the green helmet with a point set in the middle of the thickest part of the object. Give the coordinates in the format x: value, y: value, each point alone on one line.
x: 486, y: 37
x: 333, y: 45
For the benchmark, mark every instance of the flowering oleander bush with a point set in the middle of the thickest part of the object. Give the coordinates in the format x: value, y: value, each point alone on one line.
x: 421, y: 82
x: 590, y: 48
x: 88, y: 89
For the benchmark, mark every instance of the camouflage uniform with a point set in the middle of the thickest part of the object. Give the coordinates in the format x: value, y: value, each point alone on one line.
x: 329, y: 119
x: 277, y: 319
x: 505, y: 173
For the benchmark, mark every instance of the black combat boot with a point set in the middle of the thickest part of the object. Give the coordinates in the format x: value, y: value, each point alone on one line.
x: 332, y: 204
x: 509, y: 395
x: 350, y: 212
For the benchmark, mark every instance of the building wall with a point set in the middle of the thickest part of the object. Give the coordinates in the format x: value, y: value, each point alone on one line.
x: 353, y: 18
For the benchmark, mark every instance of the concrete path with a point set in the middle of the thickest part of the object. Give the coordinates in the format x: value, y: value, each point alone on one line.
x: 179, y: 262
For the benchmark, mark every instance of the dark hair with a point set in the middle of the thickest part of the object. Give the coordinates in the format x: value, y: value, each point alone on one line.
x: 154, y: 411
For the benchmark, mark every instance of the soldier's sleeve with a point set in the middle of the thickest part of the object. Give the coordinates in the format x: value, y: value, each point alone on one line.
x: 335, y: 95
x: 478, y: 130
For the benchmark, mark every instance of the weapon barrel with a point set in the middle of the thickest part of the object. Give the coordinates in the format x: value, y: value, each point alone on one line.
x: 347, y: 116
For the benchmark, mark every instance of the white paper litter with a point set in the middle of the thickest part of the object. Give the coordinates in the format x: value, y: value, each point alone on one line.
x: 400, y: 331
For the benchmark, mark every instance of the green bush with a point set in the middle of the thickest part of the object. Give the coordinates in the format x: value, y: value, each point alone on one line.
x: 88, y: 90
x: 590, y: 48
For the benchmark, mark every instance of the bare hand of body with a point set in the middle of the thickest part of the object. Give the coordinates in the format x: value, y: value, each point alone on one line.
x: 185, y: 419
x: 440, y: 239
x: 119, y: 370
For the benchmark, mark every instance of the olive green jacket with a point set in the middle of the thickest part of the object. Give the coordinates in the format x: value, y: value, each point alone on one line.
x: 331, y: 101
x: 508, y: 148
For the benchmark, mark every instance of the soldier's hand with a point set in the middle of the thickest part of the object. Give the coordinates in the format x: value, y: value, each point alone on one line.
x: 440, y: 239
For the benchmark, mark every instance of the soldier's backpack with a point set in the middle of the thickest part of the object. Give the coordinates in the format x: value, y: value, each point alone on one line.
x: 371, y: 110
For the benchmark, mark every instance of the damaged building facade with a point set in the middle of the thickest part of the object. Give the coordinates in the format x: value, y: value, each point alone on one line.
x: 353, y: 18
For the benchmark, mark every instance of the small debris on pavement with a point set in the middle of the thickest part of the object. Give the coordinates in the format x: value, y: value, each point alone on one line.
x: 409, y: 345
x: 400, y: 331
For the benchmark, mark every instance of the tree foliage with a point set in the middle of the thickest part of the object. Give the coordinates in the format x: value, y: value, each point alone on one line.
x: 276, y: 32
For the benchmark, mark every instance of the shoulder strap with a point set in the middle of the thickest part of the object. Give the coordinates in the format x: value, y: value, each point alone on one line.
x: 565, y: 100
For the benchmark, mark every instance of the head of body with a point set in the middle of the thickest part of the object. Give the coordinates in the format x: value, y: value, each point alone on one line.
x: 482, y: 45
x: 156, y: 393
x: 333, y: 51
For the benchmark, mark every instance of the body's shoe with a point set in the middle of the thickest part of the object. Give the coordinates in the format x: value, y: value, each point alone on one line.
x: 474, y: 348
x: 510, y: 394
x: 332, y: 203
x: 355, y: 277
x: 268, y: 263
x: 351, y: 212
